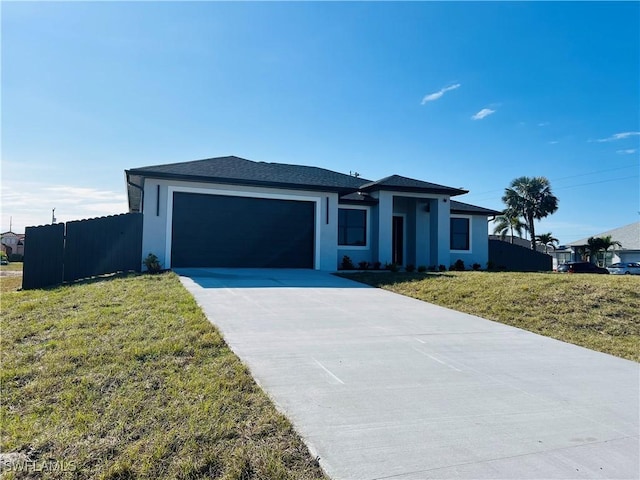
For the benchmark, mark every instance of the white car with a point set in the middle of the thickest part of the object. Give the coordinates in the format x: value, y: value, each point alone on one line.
x: 624, y: 268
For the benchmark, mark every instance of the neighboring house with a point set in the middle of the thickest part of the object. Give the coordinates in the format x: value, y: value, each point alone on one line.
x: 628, y: 236
x: 12, y: 243
x: 232, y: 212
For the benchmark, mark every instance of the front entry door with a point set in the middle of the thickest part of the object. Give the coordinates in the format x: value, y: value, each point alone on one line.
x: 398, y: 240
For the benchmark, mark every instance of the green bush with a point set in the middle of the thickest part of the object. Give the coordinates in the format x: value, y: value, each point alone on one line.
x: 458, y: 266
x: 152, y: 263
x: 346, y: 263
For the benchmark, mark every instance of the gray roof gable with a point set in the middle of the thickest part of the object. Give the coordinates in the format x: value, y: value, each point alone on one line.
x: 628, y: 236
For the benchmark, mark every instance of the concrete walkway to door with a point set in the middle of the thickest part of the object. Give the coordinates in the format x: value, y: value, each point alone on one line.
x: 384, y: 386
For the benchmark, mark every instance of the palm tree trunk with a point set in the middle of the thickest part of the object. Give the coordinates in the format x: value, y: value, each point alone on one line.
x: 532, y: 231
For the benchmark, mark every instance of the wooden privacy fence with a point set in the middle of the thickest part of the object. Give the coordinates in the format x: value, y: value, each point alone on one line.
x: 59, y: 253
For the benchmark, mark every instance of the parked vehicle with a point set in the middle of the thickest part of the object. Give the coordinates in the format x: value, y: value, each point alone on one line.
x: 624, y: 268
x: 581, y: 267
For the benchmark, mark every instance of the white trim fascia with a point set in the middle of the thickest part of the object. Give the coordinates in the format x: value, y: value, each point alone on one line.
x: 368, y: 232
x: 240, y: 193
x: 470, y: 218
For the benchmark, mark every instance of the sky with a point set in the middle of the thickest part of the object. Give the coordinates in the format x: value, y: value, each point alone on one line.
x: 468, y: 95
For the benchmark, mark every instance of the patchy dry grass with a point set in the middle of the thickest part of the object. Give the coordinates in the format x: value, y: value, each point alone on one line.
x: 11, y: 277
x: 601, y: 312
x: 125, y: 378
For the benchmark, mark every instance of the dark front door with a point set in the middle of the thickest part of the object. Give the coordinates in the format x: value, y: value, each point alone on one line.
x: 398, y: 240
x: 230, y: 231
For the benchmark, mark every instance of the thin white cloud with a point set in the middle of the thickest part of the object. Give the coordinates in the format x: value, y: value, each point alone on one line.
x: 553, y: 142
x: 485, y: 112
x: 436, y: 95
x: 619, y: 136
x: 30, y: 203
x: 543, y: 124
x: 628, y: 151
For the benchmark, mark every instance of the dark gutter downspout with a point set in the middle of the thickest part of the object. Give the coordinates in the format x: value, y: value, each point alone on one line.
x: 130, y: 183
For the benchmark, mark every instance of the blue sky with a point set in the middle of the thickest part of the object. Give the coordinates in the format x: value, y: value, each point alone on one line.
x: 468, y: 95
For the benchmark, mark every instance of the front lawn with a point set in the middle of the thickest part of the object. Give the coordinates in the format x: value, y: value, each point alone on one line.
x: 11, y: 277
x: 601, y: 312
x: 126, y: 378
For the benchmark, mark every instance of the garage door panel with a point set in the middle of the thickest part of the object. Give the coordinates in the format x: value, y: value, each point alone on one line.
x: 230, y: 231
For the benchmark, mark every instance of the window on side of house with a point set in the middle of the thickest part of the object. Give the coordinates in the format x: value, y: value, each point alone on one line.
x: 352, y: 227
x: 459, y: 234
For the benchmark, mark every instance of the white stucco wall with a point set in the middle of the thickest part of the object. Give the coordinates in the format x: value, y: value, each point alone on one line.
x: 426, y: 234
x: 360, y: 253
x: 157, y: 215
x: 479, y: 243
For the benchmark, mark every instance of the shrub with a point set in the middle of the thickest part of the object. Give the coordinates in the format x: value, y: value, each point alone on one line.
x: 392, y: 267
x: 442, y: 268
x: 377, y: 265
x: 410, y: 268
x: 346, y: 263
x: 476, y: 266
x: 458, y: 266
x: 363, y: 265
x: 432, y: 268
x: 152, y: 263
x: 491, y: 265
x: 422, y: 268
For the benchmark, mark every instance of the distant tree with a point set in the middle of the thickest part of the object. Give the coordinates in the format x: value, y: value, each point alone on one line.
x: 509, y: 222
x: 583, y: 252
x: 594, y: 245
x: 601, y: 244
x: 547, y: 240
x: 532, y: 199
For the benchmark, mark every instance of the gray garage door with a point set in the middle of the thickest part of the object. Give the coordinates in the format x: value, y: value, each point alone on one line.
x: 229, y: 231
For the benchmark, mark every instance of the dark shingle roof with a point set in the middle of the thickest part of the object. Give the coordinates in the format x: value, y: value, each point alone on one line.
x: 358, y: 198
x: 237, y: 170
x: 459, y: 207
x: 405, y: 184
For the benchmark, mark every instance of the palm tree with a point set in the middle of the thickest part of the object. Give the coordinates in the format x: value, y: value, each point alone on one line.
x: 594, y: 245
x: 598, y: 244
x: 531, y: 198
x: 508, y: 222
x: 547, y: 240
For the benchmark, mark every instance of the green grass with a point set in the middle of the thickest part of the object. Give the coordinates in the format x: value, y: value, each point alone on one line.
x: 600, y: 312
x: 125, y: 378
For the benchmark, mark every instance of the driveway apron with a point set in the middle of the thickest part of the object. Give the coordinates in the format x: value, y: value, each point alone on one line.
x: 382, y: 386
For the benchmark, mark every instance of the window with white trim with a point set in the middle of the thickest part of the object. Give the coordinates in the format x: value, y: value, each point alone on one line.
x: 460, y: 234
x: 352, y: 227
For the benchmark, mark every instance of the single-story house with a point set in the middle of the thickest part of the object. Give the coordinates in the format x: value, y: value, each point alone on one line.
x: 629, y: 251
x: 12, y: 243
x: 233, y: 212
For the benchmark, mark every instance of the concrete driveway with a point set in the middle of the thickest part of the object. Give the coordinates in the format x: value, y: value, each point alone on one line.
x: 384, y: 386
